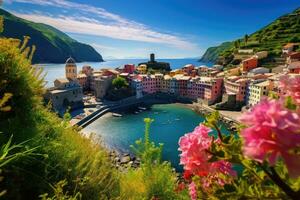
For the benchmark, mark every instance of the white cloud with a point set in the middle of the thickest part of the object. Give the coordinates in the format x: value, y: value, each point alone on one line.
x: 107, y: 24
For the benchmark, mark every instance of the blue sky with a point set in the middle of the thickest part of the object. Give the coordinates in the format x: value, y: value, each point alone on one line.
x: 169, y: 28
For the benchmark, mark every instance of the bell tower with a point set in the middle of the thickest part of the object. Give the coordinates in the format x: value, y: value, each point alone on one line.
x: 71, y: 69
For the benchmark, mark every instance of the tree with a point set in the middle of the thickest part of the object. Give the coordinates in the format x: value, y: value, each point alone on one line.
x: 119, y: 82
x: 236, y: 44
x: 246, y: 38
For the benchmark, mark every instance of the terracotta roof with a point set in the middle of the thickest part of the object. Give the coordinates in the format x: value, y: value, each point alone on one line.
x: 62, y: 80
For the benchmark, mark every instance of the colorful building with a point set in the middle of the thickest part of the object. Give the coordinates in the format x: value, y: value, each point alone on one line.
x: 236, y: 85
x: 137, y: 85
x: 142, y: 69
x: 258, y: 90
x: 249, y: 64
x: 129, y: 68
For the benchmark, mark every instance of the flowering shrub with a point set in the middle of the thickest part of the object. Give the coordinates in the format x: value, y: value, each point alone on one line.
x: 265, y: 153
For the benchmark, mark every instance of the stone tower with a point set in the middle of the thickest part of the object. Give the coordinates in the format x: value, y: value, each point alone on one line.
x: 71, y: 69
x: 152, y: 57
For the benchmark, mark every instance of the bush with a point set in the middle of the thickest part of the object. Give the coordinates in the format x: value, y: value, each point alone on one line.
x: 154, y: 179
x: 119, y: 83
x: 61, y: 152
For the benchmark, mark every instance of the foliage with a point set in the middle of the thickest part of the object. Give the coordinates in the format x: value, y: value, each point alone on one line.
x: 270, y: 38
x: 60, y: 152
x: 57, y: 44
x: 265, y: 154
x: 154, y: 179
x: 60, y: 194
x: 119, y: 82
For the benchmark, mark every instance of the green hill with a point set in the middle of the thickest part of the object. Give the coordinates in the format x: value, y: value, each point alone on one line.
x: 212, y: 53
x: 270, y: 38
x: 52, y: 45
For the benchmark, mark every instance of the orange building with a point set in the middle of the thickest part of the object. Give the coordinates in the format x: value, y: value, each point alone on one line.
x: 249, y: 64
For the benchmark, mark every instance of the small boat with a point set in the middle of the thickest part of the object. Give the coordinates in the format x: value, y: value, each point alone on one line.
x: 177, y: 119
x: 116, y: 115
x: 136, y: 112
x: 142, y: 108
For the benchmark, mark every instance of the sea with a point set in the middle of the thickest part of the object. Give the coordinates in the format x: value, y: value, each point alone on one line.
x: 54, y: 71
x: 171, y: 121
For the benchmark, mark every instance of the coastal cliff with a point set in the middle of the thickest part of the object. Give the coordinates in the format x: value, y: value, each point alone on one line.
x: 52, y: 45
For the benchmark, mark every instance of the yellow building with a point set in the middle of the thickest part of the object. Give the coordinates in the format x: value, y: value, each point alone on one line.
x: 142, y: 69
x: 258, y: 90
x: 175, y: 72
x: 233, y: 72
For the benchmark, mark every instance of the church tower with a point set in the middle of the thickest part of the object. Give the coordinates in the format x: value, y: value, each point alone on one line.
x: 71, y: 69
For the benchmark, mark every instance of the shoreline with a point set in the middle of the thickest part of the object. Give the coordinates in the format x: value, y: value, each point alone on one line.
x: 124, y: 158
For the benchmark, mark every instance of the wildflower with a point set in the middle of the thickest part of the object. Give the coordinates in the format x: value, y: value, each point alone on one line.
x: 193, y: 191
x: 273, y: 131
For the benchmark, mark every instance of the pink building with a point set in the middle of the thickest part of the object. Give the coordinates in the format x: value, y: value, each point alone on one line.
x: 206, y: 88
x: 236, y: 85
x: 149, y: 84
x: 129, y: 68
x: 182, y: 85
x: 212, y: 89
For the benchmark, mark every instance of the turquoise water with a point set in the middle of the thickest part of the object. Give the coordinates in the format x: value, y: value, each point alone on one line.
x: 171, y: 121
x: 54, y: 71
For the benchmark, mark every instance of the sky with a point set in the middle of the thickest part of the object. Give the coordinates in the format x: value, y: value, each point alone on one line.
x: 168, y: 28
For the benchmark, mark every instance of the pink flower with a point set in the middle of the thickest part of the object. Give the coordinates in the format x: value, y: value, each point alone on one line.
x: 193, y: 146
x: 291, y: 87
x: 193, y: 191
x: 195, y: 158
x: 273, y: 131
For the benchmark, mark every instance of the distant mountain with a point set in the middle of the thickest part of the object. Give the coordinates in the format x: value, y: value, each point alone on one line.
x: 271, y: 38
x: 52, y: 45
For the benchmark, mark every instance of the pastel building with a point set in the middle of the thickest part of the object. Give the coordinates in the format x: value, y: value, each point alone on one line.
x: 212, y: 89
x: 149, y: 84
x: 258, y: 90
x: 182, y: 85
x: 166, y: 84
x: 235, y: 85
x: 137, y: 85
